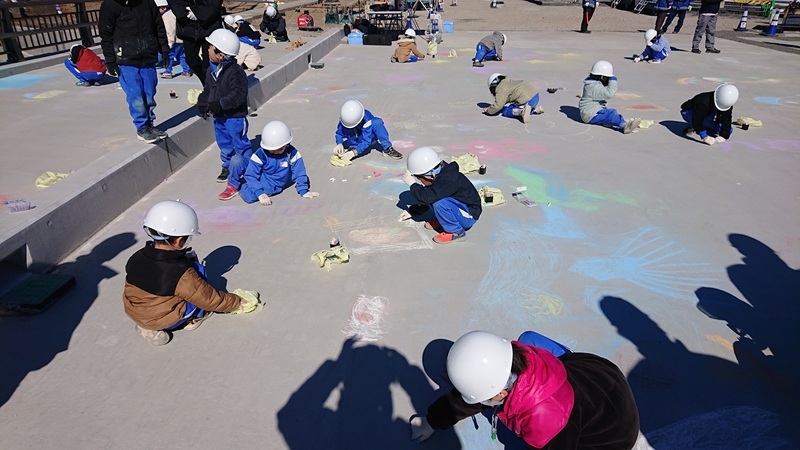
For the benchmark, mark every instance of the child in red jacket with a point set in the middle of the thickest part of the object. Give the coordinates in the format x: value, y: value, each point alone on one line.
x: 87, y: 67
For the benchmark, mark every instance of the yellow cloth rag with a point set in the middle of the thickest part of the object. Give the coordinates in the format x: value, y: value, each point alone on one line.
x: 498, y: 197
x: 324, y: 258
x: 467, y: 163
x: 250, y: 301
x: 271, y: 39
x: 48, y: 179
x: 433, y: 48
x: 192, y: 95
x: 748, y: 120
x: 646, y: 123
x: 339, y: 162
x: 453, y: 54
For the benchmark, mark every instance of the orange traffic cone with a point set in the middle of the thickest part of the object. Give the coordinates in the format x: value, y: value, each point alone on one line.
x: 742, y: 22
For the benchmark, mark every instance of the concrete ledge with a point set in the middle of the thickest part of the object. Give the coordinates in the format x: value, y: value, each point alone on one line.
x: 114, y: 182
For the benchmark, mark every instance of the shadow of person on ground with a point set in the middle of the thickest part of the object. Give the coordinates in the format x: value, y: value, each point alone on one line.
x: 765, y: 320
x: 677, y: 127
x: 572, y: 112
x: 29, y: 343
x: 686, y: 399
x: 219, y: 262
x: 348, y: 403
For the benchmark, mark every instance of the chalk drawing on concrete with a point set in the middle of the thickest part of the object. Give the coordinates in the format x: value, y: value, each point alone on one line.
x: 285, y: 101
x: 44, y: 95
x: 507, y: 149
x: 763, y: 145
x: 367, y: 318
x: 21, y: 81
x: 717, y: 339
x: 648, y: 259
x: 230, y: 219
x: 626, y: 95
x: 792, y: 102
x: 382, y: 234
x: 645, y: 107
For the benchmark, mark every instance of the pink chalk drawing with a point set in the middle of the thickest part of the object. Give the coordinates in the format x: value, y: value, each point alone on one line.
x: 231, y: 219
x: 509, y: 149
x: 646, y: 107
x: 367, y: 318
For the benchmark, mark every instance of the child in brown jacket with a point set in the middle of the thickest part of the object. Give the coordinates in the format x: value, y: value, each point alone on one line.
x: 406, y: 50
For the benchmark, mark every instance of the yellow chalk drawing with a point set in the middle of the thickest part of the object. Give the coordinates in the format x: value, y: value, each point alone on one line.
x: 720, y: 340
x: 570, y: 54
x: 539, y: 61
x: 47, y: 94
x: 332, y: 221
x: 543, y: 305
x: 623, y: 95
x: 379, y: 235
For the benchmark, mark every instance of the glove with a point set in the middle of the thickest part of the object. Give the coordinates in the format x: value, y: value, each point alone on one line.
x: 310, y: 194
x: 420, y: 428
x: 264, y: 200
x: 113, y: 69
x: 719, y: 139
x: 203, y: 110
x: 348, y: 155
x: 167, y: 61
x: 709, y: 140
x: 339, y: 149
x: 214, y: 107
x: 408, y: 178
x: 190, y: 14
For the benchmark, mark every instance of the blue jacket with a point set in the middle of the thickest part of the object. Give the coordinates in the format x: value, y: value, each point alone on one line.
x: 273, y: 173
x: 663, y: 5
x: 681, y: 5
x: 661, y: 45
x: 361, y: 135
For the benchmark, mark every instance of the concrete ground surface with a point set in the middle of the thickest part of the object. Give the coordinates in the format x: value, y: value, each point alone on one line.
x: 675, y: 260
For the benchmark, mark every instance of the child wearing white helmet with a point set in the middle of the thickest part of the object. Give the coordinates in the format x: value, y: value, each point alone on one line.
x: 358, y: 132
x: 512, y: 98
x: 598, y: 88
x: 272, y: 22
x: 443, y: 188
x: 710, y: 114
x: 489, y: 48
x: 176, y: 49
x: 656, y: 50
x: 224, y: 96
x: 548, y: 396
x: 406, y: 50
x: 247, y: 33
x: 165, y: 286
x: 275, y: 166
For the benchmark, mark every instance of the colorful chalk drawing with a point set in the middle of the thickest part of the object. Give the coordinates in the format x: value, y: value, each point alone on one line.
x: 540, y: 61
x: 762, y: 145
x: 792, y: 101
x: 21, y: 81
x: 231, y: 219
x: 544, y: 189
x: 648, y: 259
x: 367, y: 318
x: 625, y: 95
x: 645, y: 107
x: 507, y: 149
x: 381, y: 234
x: 44, y: 95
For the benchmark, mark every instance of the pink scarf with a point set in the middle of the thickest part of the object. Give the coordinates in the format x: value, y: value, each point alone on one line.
x: 540, y: 402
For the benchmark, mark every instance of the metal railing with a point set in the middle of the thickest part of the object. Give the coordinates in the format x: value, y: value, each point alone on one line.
x: 20, y: 33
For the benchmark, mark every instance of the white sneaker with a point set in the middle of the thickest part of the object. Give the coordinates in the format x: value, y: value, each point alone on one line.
x: 195, y: 323
x: 538, y: 110
x: 654, y: 61
x: 630, y: 126
x: 155, y: 337
x: 526, y: 113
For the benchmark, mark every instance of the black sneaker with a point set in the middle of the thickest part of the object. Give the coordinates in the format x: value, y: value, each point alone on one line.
x: 711, y: 50
x: 147, y: 135
x: 223, y: 176
x: 158, y: 132
x: 695, y: 50
x: 476, y: 63
x: 586, y: 32
x: 392, y: 153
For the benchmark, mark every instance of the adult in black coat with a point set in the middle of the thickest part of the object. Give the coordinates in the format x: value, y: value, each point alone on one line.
x: 196, y: 19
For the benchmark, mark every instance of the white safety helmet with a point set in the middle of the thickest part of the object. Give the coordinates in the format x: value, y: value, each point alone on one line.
x: 224, y: 41
x: 410, y: 32
x: 229, y: 21
x: 505, y: 38
x: 351, y: 114
x: 603, y: 68
x: 161, y: 3
x: 725, y: 96
x: 171, y: 218
x: 493, y: 79
x: 479, y: 365
x: 649, y: 35
x: 237, y: 18
x: 275, y: 135
x: 423, y: 161
x: 271, y: 11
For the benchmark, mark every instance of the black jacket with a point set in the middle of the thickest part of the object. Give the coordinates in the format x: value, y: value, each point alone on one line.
x: 209, y: 17
x: 275, y: 25
x: 709, y: 6
x: 449, y: 183
x: 131, y: 32
x: 702, y: 105
x: 229, y: 88
x: 247, y: 30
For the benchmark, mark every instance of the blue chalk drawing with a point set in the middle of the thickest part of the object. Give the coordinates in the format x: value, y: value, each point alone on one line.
x: 646, y: 260
x: 557, y: 224
x: 21, y: 81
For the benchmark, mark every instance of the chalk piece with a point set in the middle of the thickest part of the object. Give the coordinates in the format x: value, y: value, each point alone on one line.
x: 332, y: 180
x: 344, y: 180
x: 548, y: 203
x: 522, y: 189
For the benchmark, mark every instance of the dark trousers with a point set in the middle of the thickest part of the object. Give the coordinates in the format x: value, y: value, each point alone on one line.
x: 197, y: 57
x: 672, y: 13
x: 587, y: 16
x: 661, y: 16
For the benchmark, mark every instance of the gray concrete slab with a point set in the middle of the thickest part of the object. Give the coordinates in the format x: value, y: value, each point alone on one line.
x: 629, y: 234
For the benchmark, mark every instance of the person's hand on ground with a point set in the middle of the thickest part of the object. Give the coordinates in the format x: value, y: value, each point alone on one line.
x: 709, y: 140
x: 348, y: 155
x: 420, y: 428
x: 264, y: 200
x: 310, y: 194
x: 719, y: 139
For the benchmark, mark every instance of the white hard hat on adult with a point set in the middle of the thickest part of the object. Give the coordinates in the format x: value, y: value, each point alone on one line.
x: 725, y: 96
x: 649, y: 35
x: 479, y: 365
x: 275, y: 135
x: 271, y: 11
x: 351, y: 113
x: 422, y: 161
x: 602, y: 68
x: 172, y: 218
x: 493, y: 79
x: 224, y: 41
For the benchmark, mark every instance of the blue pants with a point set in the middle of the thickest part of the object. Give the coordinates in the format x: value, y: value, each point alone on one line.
x: 453, y: 215
x: 412, y: 58
x: 509, y: 108
x: 250, y: 41
x: 608, y: 118
x: 712, y: 127
x: 177, y: 53
x: 139, y: 84
x: 672, y: 13
x: 234, y: 146
x: 248, y: 192
x: 381, y: 138
x: 83, y: 76
x: 541, y: 341
x: 192, y: 311
x: 483, y: 53
x: 649, y: 53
